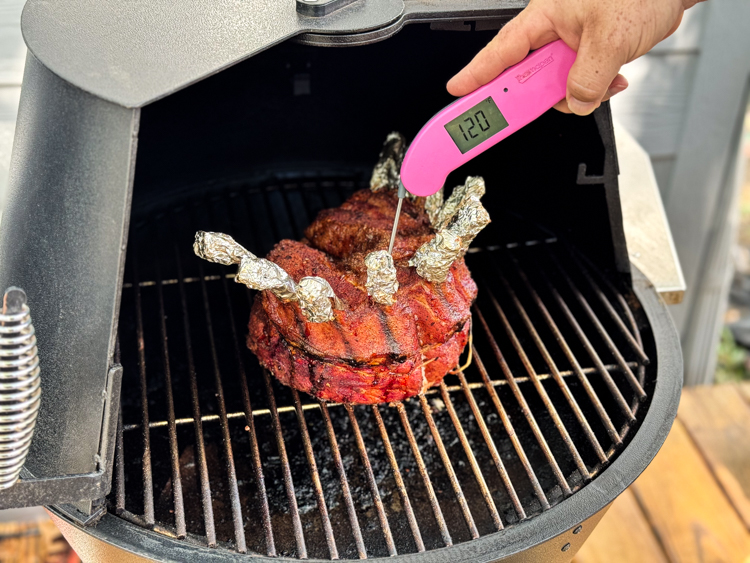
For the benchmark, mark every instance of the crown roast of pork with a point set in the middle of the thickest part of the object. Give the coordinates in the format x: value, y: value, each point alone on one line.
x: 339, y: 318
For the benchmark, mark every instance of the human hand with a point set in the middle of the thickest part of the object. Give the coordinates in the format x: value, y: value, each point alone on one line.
x: 605, y: 33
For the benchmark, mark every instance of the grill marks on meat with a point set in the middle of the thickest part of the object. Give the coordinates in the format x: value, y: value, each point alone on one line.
x: 370, y: 353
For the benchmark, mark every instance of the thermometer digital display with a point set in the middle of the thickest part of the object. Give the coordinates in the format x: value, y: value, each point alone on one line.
x: 476, y: 125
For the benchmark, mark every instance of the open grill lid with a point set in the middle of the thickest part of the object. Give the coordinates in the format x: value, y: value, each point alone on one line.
x: 141, y: 57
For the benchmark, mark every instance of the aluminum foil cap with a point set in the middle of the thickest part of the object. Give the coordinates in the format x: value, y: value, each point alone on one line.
x: 385, y: 175
x: 314, y: 295
x: 219, y: 248
x: 432, y: 206
x: 434, y: 258
x: 469, y: 221
x: 381, y: 277
x: 474, y: 187
x: 262, y: 274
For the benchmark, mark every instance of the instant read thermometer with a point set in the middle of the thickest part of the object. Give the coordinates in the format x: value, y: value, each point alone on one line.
x: 480, y: 120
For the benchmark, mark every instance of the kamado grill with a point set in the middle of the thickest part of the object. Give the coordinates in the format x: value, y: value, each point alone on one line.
x: 160, y: 436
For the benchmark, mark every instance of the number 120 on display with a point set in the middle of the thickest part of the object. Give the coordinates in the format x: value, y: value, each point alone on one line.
x: 476, y: 125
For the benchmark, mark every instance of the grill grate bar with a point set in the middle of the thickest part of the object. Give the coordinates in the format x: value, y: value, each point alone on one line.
x: 413, y: 524
x: 317, y: 485
x: 288, y: 483
x: 429, y: 392
x: 200, y: 446
x: 519, y: 394
x: 139, y: 521
x: 372, y: 483
x: 582, y: 420
x: 449, y: 468
x: 565, y: 347
x: 445, y: 534
x: 636, y: 347
x: 601, y: 330
x: 250, y: 425
x: 634, y: 329
x: 491, y: 446
x: 600, y: 367
x: 234, y: 494
x: 538, y: 491
x: 174, y: 452
x: 346, y: 491
x: 532, y: 373
x: 486, y: 494
x: 148, y: 480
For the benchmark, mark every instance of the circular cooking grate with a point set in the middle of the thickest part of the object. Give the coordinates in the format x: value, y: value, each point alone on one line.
x: 213, y: 450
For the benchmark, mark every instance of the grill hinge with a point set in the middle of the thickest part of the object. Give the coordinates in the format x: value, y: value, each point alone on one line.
x: 93, y: 507
x: 70, y: 490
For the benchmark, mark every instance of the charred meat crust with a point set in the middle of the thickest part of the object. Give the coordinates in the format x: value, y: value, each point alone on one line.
x: 342, y: 383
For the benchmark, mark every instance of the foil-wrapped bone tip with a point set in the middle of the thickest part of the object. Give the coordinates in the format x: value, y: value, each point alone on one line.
x: 386, y: 173
x: 460, y: 220
x: 314, y: 295
x: 219, y: 248
x: 381, y: 277
x: 432, y: 206
x: 262, y: 274
x: 434, y: 258
x: 473, y: 187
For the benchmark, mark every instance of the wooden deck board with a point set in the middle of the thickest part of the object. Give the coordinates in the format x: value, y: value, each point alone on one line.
x: 744, y: 389
x: 718, y: 420
x: 623, y: 531
x: 694, y: 499
x: 33, y: 542
x: 688, y: 510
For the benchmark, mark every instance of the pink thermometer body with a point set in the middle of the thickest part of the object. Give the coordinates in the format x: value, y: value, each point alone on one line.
x: 480, y: 120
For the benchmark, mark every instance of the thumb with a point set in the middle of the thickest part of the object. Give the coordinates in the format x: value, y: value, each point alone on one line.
x: 529, y: 30
x: 597, y: 64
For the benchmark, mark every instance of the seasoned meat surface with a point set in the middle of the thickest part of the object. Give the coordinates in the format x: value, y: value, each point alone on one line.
x: 363, y: 223
x: 369, y: 353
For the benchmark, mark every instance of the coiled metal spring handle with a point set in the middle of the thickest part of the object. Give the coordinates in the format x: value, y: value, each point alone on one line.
x: 20, y: 391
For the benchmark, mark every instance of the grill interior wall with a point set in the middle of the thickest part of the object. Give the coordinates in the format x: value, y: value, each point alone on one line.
x: 158, y: 475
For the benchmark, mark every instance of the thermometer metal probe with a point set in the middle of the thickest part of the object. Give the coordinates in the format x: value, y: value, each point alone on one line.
x: 474, y: 123
x: 401, y: 196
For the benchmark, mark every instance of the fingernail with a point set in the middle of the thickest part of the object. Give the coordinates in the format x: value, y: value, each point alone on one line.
x: 616, y: 89
x: 581, y: 108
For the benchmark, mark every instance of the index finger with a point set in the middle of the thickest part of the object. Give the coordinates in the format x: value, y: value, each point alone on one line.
x: 529, y: 30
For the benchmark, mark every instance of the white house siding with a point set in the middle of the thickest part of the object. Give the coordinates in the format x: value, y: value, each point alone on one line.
x: 685, y: 106
x: 653, y: 107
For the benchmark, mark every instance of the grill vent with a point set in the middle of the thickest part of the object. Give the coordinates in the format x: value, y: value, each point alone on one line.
x: 213, y: 450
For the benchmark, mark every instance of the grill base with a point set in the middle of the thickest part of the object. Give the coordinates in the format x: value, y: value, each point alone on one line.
x: 117, y: 541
